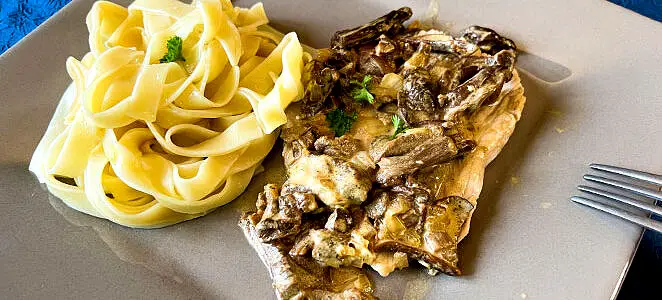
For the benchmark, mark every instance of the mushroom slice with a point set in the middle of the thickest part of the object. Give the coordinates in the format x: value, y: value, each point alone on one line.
x: 434, y: 244
x: 389, y: 24
x: 487, y: 39
x: 297, y: 277
x: 485, y: 86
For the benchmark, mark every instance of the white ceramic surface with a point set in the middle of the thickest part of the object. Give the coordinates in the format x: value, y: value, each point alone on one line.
x: 527, y: 239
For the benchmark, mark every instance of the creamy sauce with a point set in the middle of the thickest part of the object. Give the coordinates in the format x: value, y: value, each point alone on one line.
x: 334, y: 186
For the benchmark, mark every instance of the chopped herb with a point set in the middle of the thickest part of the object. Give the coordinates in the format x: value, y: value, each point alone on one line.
x: 340, y: 121
x: 360, y: 91
x: 398, y: 125
x: 174, y: 45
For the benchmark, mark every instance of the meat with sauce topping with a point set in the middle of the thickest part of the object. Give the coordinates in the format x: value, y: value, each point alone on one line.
x: 383, y: 106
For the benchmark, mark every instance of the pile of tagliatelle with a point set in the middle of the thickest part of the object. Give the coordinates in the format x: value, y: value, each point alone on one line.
x: 171, y: 112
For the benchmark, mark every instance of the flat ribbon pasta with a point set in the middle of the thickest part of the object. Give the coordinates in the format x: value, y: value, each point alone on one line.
x: 146, y: 143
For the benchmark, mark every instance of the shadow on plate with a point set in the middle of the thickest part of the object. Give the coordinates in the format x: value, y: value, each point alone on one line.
x: 125, y: 244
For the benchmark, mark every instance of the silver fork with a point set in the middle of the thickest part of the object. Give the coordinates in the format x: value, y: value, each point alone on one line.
x: 628, y: 189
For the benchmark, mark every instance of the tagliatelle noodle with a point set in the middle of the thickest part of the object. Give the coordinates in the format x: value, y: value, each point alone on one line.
x: 148, y: 144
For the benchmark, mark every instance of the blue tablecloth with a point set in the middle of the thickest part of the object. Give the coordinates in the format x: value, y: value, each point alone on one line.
x: 19, y: 17
x: 649, y: 8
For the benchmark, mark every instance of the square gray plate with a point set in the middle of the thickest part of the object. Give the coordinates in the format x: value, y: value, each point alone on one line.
x: 592, y: 79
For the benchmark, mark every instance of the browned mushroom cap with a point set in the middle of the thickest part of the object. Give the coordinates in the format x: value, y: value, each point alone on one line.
x: 372, y: 64
x: 483, y: 87
x: 435, y: 246
x: 487, y: 39
x: 409, y: 152
x: 460, y: 47
x: 467, y: 97
x: 417, y: 97
x: 279, y: 217
x: 321, y: 81
x: 388, y: 24
x: 503, y: 58
x: 340, y: 220
x: 276, y: 218
x: 301, y: 277
x: 417, y: 91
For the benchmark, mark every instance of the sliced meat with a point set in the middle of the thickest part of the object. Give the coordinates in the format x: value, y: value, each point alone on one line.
x: 385, y: 191
x: 389, y: 24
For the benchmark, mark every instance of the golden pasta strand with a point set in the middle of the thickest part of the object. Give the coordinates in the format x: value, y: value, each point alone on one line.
x: 149, y: 144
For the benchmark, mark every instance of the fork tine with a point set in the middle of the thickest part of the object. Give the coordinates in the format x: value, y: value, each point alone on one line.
x: 627, y: 200
x: 626, y: 186
x: 649, y: 177
x: 646, y: 222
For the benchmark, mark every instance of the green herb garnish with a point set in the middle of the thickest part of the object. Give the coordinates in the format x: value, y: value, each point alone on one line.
x: 340, y: 121
x: 360, y: 91
x: 174, y: 45
x: 398, y: 125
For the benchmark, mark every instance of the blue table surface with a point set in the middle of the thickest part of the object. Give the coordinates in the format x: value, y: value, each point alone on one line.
x: 18, y: 18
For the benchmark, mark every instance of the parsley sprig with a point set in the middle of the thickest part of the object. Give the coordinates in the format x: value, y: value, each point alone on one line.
x: 340, y: 121
x: 399, y: 126
x: 174, y: 45
x: 360, y: 91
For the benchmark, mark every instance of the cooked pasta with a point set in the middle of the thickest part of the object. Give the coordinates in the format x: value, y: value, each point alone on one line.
x: 171, y: 112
